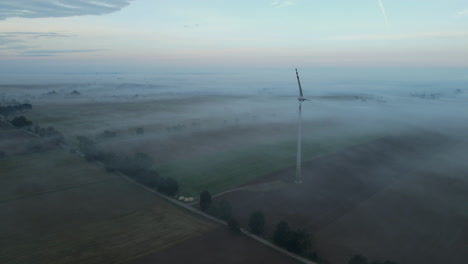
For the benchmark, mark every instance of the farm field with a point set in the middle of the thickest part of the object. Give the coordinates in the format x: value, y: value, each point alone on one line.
x: 221, y: 243
x: 12, y: 142
x: 395, y: 198
x: 202, y: 148
x: 57, y: 208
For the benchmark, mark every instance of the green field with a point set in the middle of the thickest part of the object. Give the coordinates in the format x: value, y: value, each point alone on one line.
x: 56, y: 208
x: 222, y: 171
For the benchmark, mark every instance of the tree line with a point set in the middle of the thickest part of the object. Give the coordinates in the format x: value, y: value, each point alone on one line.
x: 12, y: 109
x: 360, y: 259
x: 297, y: 241
x: 138, y: 166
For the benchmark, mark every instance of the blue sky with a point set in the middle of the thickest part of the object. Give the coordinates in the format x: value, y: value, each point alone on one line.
x: 258, y: 33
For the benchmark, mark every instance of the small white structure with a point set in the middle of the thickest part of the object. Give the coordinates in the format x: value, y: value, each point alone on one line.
x: 181, y: 198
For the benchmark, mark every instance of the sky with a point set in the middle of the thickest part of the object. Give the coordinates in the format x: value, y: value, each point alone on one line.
x: 139, y: 34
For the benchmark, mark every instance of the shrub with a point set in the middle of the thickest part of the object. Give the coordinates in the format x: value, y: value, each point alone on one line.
x: 205, y: 200
x: 225, y: 210
x: 233, y: 225
x: 281, y: 234
x: 257, y: 222
x: 20, y: 122
x: 168, y: 186
x: 358, y: 259
x: 299, y: 241
x: 88, y: 148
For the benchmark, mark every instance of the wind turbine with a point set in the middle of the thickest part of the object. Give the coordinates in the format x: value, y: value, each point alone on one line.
x: 299, y: 132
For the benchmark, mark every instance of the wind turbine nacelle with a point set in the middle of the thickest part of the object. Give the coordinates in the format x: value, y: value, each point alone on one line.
x: 302, y: 99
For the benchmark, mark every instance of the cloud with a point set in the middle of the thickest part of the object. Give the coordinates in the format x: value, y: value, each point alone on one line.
x: 430, y: 35
x: 55, y: 52
x: 282, y: 4
x: 16, y: 47
x: 18, y: 40
x: 34, y: 34
x: 463, y: 13
x: 384, y: 12
x: 58, y: 8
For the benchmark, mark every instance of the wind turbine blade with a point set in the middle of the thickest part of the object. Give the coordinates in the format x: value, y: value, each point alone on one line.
x: 299, y: 83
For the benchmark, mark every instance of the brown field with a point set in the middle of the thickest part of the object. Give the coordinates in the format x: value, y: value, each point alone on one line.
x: 12, y: 142
x: 217, y: 246
x: 396, y: 198
x: 57, y: 208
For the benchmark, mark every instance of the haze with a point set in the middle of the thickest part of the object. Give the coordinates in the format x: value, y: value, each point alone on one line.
x: 147, y: 131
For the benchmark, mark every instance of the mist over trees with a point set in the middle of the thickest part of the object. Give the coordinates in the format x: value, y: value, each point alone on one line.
x: 12, y: 109
x: 281, y: 234
x: 50, y: 134
x: 225, y: 209
x: 297, y: 241
x: 360, y: 259
x: 257, y: 222
x: 21, y: 122
x: 205, y: 200
x: 139, y: 166
x: 167, y: 185
x: 233, y: 225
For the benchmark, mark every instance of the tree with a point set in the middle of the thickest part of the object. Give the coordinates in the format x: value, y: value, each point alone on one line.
x: 385, y: 262
x: 107, y: 134
x: 139, y: 130
x: 299, y: 241
x: 142, y: 161
x: 257, y: 222
x: 168, y: 186
x: 87, y: 147
x: 358, y: 259
x: 205, y: 200
x: 281, y: 234
x: 225, y: 210
x: 233, y: 225
x: 21, y: 122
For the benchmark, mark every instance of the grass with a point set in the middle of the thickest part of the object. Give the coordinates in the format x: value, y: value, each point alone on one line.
x: 222, y: 171
x: 56, y: 208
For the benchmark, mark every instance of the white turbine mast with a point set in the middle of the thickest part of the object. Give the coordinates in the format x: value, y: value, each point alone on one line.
x: 299, y: 132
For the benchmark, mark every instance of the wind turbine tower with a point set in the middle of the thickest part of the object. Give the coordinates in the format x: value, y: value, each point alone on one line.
x: 299, y: 133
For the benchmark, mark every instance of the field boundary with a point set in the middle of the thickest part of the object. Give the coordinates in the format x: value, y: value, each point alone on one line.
x: 214, y: 219
x: 188, y: 207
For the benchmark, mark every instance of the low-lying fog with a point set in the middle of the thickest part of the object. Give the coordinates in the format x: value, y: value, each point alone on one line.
x: 426, y: 96
x: 251, y: 106
x: 206, y: 114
